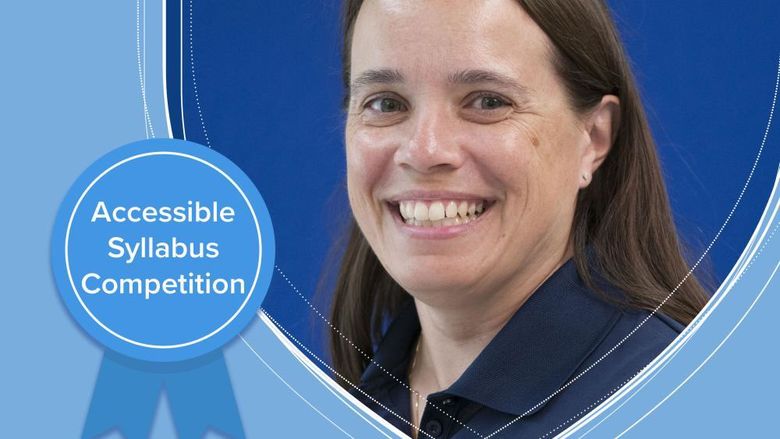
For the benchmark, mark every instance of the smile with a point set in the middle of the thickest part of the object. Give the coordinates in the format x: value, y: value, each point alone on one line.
x: 440, y: 213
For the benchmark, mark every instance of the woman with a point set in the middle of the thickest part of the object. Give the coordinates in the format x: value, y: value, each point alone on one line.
x: 511, y: 222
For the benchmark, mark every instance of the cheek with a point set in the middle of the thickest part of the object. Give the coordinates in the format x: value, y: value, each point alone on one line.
x: 533, y: 161
x: 369, y: 152
x: 556, y: 155
x: 504, y: 155
x: 369, y: 157
x: 553, y: 177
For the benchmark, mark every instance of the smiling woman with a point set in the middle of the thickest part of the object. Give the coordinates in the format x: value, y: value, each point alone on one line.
x: 511, y: 222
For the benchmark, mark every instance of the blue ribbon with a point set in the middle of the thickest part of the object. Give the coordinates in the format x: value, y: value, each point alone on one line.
x: 199, y: 393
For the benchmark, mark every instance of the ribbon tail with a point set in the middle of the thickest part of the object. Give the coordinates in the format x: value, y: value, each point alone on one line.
x: 124, y: 398
x: 201, y: 398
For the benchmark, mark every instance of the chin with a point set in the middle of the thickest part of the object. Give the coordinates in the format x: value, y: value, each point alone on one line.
x: 422, y: 279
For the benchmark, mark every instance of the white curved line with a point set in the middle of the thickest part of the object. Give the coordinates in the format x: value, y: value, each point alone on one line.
x: 631, y: 396
x: 318, y: 373
x: 767, y: 218
x: 761, y: 293
x: 291, y: 387
x: 705, y: 313
x: 181, y: 68
x: 165, y: 68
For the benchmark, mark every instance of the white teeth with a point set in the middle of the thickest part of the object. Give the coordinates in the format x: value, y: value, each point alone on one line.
x: 436, y: 211
x: 439, y: 213
x: 463, y: 209
x: 407, y: 209
x: 420, y: 211
x: 452, y: 210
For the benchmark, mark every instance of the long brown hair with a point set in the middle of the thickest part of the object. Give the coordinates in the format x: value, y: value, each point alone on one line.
x: 623, y: 228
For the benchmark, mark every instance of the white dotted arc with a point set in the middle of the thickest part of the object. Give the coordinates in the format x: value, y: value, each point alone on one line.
x: 588, y: 408
x: 760, y: 250
x: 141, y: 70
x: 741, y: 274
x: 195, y: 83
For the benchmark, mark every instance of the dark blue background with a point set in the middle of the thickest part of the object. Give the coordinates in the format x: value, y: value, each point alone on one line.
x: 268, y: 80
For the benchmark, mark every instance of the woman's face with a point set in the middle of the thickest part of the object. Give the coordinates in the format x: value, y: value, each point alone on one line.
x: 464, y: 158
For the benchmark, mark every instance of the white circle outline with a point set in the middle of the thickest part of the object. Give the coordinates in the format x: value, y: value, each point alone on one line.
x: 76, y: 291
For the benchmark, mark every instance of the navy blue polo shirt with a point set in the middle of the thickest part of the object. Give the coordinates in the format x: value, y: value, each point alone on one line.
x: 513, y: 384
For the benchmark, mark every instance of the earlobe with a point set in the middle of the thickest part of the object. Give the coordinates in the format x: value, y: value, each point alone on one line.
x: 603, y: 124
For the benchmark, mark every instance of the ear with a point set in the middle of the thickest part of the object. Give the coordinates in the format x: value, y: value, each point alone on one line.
x: 601, y: 125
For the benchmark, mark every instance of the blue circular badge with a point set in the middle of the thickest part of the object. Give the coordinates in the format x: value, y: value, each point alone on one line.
x: 163, y: 250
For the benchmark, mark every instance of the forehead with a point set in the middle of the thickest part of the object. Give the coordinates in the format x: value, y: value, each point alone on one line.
x: 430, y: 39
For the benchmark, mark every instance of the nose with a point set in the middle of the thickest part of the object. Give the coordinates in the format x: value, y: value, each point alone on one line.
x: 432, y: 145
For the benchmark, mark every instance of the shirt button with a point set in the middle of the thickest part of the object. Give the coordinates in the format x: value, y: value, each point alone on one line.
x: 446, y: 402
x: 433, y: 427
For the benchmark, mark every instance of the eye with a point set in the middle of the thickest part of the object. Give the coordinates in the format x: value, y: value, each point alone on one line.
x: 486, y: 108
x: 488, y: 102
x: 383, y: 110
x: 386, y: 104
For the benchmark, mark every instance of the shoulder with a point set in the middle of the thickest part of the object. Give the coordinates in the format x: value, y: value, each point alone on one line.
x: 636, y: 337
x: 640, y: 335
x: 635, y: 340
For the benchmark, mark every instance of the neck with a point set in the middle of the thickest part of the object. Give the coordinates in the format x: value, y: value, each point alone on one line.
x: 453, y: 337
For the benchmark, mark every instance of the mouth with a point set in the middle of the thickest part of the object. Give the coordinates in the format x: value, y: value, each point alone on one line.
x: 439, y: 213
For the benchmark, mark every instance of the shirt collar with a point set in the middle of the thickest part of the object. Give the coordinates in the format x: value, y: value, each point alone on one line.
x: 530, y: 358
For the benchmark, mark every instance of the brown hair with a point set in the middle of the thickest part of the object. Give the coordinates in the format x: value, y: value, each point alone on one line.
x: 622, y: 219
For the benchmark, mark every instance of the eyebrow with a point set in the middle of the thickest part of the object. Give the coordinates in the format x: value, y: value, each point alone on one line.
x: 463, y: 77
x: 477, y: 76
x: 370, y: 77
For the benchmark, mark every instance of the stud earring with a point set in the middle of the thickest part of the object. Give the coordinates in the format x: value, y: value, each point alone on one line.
x: 585, y: 177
